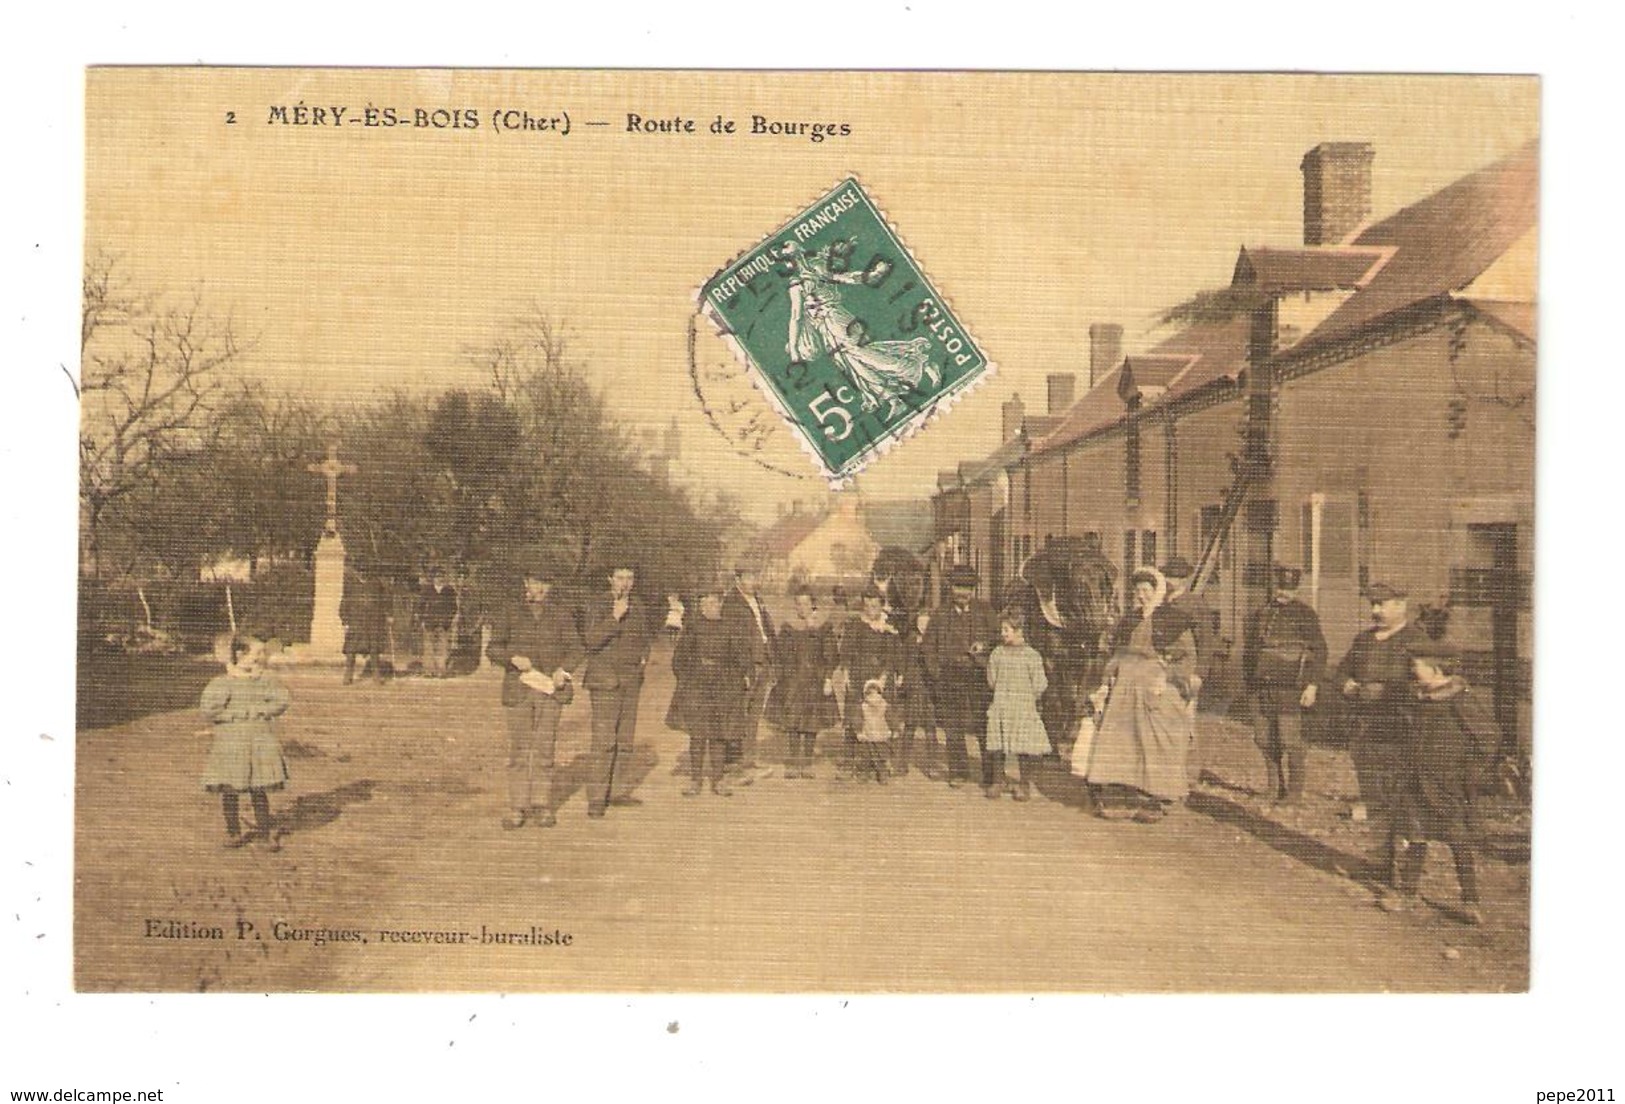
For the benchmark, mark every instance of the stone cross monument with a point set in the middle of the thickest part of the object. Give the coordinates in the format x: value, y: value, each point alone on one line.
x: 326, y: 630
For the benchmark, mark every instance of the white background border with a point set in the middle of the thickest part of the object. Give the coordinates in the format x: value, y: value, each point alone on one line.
x: 433, y: 1048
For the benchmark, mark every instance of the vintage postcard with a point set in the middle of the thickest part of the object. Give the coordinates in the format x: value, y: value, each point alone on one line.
x: 604, y: 531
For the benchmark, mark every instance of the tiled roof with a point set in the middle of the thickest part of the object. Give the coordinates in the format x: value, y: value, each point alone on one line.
x: 1100, y: 407
x: 1151, y: 371
x: 1514, y: 316
x: 1434, y: 247
x: 1201, y: 354
x: 1443, y: 242
x: 1316, y: 268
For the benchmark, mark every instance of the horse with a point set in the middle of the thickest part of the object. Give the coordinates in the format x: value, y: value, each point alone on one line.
x: 1067, y: 594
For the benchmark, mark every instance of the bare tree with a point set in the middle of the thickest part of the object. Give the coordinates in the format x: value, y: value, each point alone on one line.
x: 150, y: 375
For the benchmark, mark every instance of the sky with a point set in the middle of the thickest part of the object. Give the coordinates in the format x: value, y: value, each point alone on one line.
x: 358, y: 259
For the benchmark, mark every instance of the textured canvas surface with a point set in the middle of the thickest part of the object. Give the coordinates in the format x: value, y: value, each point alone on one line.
x: 350, y: 333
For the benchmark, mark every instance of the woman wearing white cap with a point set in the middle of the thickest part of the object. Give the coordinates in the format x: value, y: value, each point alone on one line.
x: 1144, y: 733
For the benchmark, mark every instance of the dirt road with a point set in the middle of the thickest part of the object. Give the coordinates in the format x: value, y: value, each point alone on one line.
x: 393, y: 838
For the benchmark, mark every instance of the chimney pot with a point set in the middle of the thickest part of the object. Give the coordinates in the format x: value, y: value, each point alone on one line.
x: 1063, y: 388
x: 1105, y: 350
x: 1015, y: 411
x: 1336, y: 191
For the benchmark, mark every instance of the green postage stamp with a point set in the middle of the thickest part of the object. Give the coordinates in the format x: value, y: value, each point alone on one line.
x: 843, y: 331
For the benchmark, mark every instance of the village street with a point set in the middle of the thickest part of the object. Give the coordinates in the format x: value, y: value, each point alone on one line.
x: 393, y: 836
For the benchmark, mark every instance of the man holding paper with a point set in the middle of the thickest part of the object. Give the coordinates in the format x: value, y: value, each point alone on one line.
x: 536, y: 645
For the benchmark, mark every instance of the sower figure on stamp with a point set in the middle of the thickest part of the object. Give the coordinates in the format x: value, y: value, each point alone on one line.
x: 1283, y: 659
x: 616, y: 635
x: 703, y: 701
x: 882, y: 371
x: 956, y: 646
x: 750, y: 669
x: 1374, y: 678
x: 536, y: 644
x: 1448, y: 752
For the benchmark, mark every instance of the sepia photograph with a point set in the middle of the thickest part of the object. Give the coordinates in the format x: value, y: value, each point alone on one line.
x: 868, y: 550
x: 774, y: 532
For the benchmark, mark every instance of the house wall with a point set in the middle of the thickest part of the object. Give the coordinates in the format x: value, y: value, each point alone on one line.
x: 1402, y: 487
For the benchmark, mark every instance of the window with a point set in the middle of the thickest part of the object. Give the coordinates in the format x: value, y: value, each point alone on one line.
x: 1327, y: 538
x: 1337, y: 540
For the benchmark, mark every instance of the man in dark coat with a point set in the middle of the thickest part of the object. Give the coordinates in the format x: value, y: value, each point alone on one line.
x: 536, y: 644
x: 1374, y: 678
x: 616, y: 635
x: 957, y: 642
x: 1283, y: 661
x: 749, y: 631
x: 437, y: 615
x: 703, y: 699
x: 1448, y: 750
x: 365, y: 611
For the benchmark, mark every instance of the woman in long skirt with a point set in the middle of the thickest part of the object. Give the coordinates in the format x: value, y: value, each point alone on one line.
x: 1148, y: 715
x: 803, y: 702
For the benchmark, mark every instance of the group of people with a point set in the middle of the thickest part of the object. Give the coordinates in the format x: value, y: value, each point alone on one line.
x: 1423, y: 740
x: 879, y: 673
x: 368, y: 610
x: 1420, y: 736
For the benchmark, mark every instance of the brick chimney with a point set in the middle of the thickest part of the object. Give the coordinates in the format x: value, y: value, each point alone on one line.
x: 1336, y: 190
x: 1105, y: 350
x: 1014, y: 413
x: 1063, y: 387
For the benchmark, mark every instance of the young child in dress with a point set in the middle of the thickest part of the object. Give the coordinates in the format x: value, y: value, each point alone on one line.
x: 1015, y: 671
x: 246, y: 756
x: 875, y: 731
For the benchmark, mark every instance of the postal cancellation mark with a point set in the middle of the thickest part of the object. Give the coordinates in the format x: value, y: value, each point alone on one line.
x: 842, y: 330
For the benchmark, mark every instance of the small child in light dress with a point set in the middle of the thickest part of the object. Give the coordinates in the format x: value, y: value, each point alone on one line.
x: 874, y: 733
x: 1014, y: 729
x: 246, y: 756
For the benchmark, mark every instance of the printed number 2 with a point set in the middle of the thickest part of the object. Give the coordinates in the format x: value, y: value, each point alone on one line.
x: 824, y: 413
x: 231, y: 118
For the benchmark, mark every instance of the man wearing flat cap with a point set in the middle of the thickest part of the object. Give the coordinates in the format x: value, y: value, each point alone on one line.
x: 956, y: 645
x: 536, y: 644
x: 748, y: 629
x: 1283, y: 659
x: 1374, y: 680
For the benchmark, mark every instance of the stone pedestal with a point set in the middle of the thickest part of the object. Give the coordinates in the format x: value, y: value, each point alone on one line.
x: 326, y: 630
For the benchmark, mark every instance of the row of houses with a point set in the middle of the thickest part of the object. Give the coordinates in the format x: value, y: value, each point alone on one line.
x: 1361, y: 406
